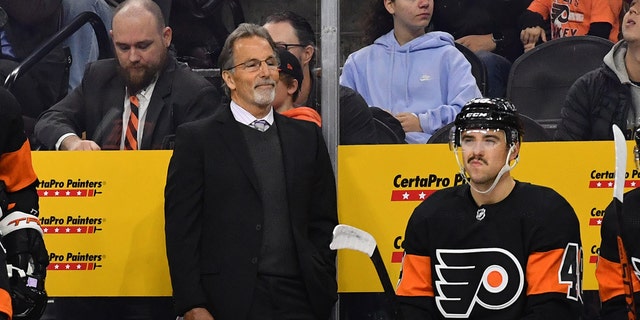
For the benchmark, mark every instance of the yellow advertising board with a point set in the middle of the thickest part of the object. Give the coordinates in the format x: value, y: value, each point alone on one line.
x: 102, y: 212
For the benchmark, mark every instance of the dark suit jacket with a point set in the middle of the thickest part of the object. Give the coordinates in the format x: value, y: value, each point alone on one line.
x: 96, y: 106
x: 214, y: 217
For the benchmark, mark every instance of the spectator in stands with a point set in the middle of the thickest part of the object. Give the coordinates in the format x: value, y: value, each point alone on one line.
x: 487, y: 27
x: 26, y: 26
x: 420, y: 78
x: 293, y: 33
x: 608, y: 95
x: 83, y: 44
x: 167, y: 94
x: 569, y: 18
x: 288, y: 89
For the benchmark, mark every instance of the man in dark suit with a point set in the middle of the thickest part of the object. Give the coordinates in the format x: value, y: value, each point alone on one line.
x: 168, y: 94
x: 249, y: 213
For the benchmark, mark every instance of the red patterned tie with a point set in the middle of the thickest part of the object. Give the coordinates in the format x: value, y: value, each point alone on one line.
x: 131, y: 137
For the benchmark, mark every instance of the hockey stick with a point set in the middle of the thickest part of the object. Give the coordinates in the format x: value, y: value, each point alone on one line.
x: 348, y: 237
x: 618, y: 194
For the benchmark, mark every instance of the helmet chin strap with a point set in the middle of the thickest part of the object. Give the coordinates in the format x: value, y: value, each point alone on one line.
x: 503, y: 170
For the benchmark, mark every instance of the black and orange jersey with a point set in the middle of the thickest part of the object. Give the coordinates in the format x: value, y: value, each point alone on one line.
x: 609, y: 269
x: 17, y: 178
x: 16, y: 171
x: 519, y: 258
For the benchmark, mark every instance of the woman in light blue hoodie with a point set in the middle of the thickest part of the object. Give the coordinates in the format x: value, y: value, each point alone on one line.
x: 420, y: 78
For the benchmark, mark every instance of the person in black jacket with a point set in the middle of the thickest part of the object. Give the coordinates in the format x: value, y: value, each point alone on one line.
x: 27, y: 25
x: 608, y: 95
x: 489, y: 28
x: 292, y: 32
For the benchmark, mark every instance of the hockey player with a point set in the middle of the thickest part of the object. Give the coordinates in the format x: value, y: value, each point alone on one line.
x: 22, y: 294
x: 495, y: 248
x: 609, y: 270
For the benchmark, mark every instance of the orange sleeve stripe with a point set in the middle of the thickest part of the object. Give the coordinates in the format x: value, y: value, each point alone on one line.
x: 16, y: 169
x: 609, y: 276
x: 542, y: 272
x: 415, y: 279
x: 5, y: 303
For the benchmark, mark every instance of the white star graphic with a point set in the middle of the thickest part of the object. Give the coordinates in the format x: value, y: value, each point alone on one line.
x: 46, y: 193
x: 610, y: 184
x: 57, y: 193
x: 405, y: 196
x: 67, y: 267
x: 422, y: 195
x: 45, y: 230
x: 79, y: 266
x: 79, y: 230
x: 56, y: 230
x: 68, y: 193
x: 599, y: 221
x: 633, y: 183
x: 599, y: 184
x: 79, y: 192
x: 67, y: 230
x: 57, y: 266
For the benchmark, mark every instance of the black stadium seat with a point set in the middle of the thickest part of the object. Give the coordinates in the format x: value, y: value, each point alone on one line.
x: 540, y: 78
x: 532, y: 132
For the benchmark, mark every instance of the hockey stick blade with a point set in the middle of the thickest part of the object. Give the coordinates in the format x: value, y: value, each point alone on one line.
x: 618, y: 195
x: 348, y: 237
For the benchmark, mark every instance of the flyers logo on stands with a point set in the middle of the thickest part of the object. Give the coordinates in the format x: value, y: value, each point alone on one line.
x: 489, y: 278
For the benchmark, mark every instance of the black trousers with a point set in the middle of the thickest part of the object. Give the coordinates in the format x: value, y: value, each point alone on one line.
x: 279, y: 298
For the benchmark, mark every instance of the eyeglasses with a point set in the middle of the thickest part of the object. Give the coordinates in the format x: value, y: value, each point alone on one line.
x: 254, y: 65
x: 286, y: 46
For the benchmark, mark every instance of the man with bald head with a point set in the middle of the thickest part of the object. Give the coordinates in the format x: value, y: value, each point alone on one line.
x: 135, y: 101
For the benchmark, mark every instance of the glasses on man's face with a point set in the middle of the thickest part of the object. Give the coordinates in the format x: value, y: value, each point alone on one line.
x: 287, y: 46
x: 254, y: 65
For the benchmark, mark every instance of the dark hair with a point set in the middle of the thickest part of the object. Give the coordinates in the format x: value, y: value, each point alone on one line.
x: 377, y: 23
x: 244, y: 30
x: 302, y: 27
x: 147, y: 5
x: 288, y: 81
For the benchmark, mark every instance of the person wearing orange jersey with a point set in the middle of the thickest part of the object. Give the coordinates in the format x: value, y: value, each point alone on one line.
x: 570, y: 18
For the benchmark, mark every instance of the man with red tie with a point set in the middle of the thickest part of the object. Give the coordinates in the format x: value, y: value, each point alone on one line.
x: 168, y: 94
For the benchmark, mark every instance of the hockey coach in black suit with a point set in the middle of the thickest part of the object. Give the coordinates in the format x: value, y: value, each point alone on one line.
x: 250, y: 201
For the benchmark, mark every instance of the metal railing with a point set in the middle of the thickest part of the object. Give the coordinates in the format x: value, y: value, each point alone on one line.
x: 104, y: 44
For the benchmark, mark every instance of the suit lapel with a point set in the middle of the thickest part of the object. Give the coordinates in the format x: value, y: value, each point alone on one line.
x: 288, y: 145
x: 161, y: 91
x: 233, y: 138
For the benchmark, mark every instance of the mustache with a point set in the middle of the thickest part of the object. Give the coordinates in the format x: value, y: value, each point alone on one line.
x: 265, y: 82
x: 478, y: 159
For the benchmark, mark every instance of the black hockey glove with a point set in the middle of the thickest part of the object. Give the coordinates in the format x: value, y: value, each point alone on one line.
x: 27, y: 258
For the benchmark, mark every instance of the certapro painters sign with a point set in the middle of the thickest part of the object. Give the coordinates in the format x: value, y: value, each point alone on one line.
x: 102, y: 215
x: 102, y: 212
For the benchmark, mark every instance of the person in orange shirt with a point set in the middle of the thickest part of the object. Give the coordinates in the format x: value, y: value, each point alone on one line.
x: 570, y: 18
x: 288, y: 89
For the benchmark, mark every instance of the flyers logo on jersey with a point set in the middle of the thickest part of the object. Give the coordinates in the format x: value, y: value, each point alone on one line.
x: 494, y: 281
